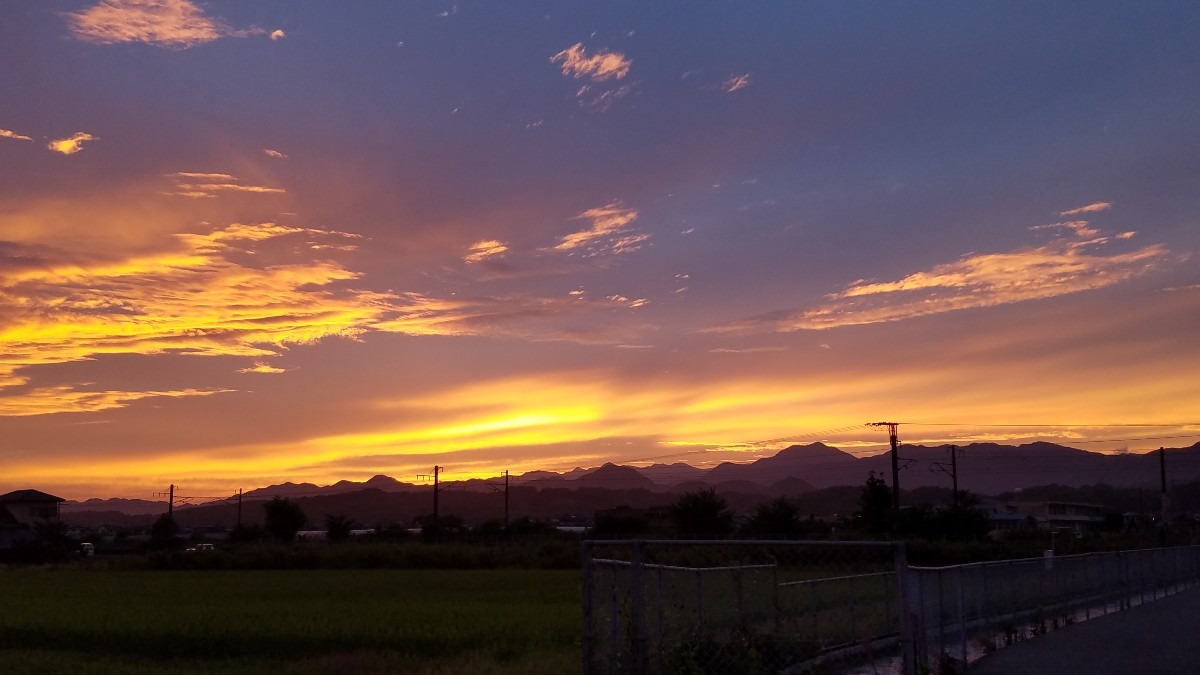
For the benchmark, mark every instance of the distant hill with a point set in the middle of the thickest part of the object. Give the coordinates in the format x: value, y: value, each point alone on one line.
x: 132, y: 507
x: 983, y: 468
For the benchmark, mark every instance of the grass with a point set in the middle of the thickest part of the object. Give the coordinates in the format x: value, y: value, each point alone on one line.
x: 303, y: 622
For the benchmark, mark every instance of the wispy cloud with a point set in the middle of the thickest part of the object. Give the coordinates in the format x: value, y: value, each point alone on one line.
x: 5, y: 133
x: 64, y: 399
x: 72, y: 145
x: 274, y: 153
x: 198, y: 185
x: 1088, y: 208
x: 278, y: 34
x: 483, y: 250
x: 1064, y: 266
x: 164, y: 23
x: 205, y: 295
x: 598, y: 67
x: 607, y: 234
x: 263, y: 368
x: 735, y: 82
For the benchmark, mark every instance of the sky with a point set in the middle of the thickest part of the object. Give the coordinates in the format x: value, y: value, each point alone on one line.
x: 248, y: 243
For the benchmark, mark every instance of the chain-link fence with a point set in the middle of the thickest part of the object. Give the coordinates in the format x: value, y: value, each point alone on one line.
x: 734, y: 607
x: 962, y: 612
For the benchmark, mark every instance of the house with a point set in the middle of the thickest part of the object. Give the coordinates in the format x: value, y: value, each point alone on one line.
x: 1045, y: 515
x: 21, y: 511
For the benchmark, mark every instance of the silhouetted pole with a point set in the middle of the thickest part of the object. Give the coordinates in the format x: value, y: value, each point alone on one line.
x: 506, y: 499
x: 1162, y: 475
x: 894, y: 438
x: 954, y: 469
x: 239, y: 521
x: 171, y: 501
x: 436, y: 522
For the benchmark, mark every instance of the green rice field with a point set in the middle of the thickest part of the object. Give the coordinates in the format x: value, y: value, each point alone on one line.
x: 289, y: 622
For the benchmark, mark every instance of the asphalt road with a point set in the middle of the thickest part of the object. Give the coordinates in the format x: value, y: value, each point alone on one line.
x: 1158, y: 638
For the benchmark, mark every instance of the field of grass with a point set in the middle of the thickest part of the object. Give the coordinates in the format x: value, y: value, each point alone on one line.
x: 303, y: 622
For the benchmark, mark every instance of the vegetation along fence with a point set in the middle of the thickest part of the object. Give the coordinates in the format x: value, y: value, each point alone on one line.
x: 732, y: 607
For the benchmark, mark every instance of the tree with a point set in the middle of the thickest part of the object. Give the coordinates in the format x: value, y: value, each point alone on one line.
x: 875, y: 506
x: 337, y: 528
x: 162, y: 532
x: 284, y: 518
x: 777, y: 518
x: 702, y: 513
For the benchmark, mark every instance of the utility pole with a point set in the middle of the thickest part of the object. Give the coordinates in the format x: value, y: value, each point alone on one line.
x: 239, y: 520
x: 952, y: 471
x: 894, y: 438
x: 437, y: 470
x: 171, y: 501
x: 506, y: 499
x: 1162, y: 476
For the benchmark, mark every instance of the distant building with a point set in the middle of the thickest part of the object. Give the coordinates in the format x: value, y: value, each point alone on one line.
x: 1045, y: 515
x: 21, y: 511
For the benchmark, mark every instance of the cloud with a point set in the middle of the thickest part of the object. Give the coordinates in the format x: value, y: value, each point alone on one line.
x: 164, y: 23
x: 263, y: 368
x: 1089, y: 208
x: 248, y: 290
x: 598, y: 67
x: 274, y: 153
x: 72, y: 145
x: 5, y: 133
x: 199, y: 185
x: 278, y: 34
x: 607, y: 233
x: 1064, y: 266
x: 483, y: 250
x: 65, y: 399
x: 735, y: 82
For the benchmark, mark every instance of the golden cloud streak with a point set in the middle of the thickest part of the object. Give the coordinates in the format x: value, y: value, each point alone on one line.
x: 608, y: 223
x: 65, y: 399
x: 598, y: 67
x: 1089, y: 208
x: 5, y: 133
x: 165, y: 23
x: 483, y: 250
x: 1061, y: 267
x: 72, y: 145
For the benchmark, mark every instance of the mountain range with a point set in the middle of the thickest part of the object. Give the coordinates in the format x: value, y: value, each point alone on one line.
x: 983, y: 468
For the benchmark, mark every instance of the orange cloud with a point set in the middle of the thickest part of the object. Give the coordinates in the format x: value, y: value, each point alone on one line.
x: 607, y: 233
x: 165, y: 23
x: 483, y: 250
x: 1089, y: 208
x: 278, y: 34
x: 263, y: 368
x: 65, y: 399
x: 5, y: 133
x: 1061, y: 267
x: 598, y: 67
x: 72, y: 145
x: 199, y: 185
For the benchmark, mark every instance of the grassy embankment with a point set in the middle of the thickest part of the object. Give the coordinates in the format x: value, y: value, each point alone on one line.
x: 289, y: 622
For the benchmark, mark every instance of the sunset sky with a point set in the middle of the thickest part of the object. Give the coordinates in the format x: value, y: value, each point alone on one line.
x: 244, y: 243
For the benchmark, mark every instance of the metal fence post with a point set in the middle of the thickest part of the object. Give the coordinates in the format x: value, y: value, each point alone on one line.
x: 906, y: 603
x: 638, y: 627
x: 586, y: 549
